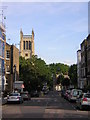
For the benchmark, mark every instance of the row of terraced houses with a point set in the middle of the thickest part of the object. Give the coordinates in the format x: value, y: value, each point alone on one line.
x: 83, y: 63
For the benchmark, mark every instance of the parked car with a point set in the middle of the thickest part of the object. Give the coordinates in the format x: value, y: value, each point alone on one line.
x: 25, y: 95
x: 73, y: 94
x: 83, y: 101
x: 14, y: 97
x: 34, y: 93
x: 67, y: 93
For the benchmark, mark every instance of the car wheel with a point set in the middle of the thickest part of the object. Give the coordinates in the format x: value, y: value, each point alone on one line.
x: 81, y: 107
x: 20, y: 102
x: 69, y: 100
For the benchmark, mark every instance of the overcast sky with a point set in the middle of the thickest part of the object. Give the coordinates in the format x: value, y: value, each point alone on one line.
x: 59, y: 27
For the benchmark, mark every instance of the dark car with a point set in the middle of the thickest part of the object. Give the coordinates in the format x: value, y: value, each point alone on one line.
x: 25, y: 95
x: 67, y: 93
x: 34, y: 93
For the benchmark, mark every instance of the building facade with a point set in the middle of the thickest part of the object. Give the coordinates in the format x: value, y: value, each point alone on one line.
x: 26, y: 45
x: 88, y: 59
x: 2, y: 57
x: 79, y: 81
x: 11, y: 66
x: 84, y: 63
x: 83, y: 68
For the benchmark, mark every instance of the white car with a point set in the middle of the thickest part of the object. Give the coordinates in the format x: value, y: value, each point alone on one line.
x: 83, y: 101
x: 14, y: 97
x: 73, y: 94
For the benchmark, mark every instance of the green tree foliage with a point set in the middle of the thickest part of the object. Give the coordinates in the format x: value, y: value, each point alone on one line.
x: 73, y: 74
x: 60, y: 79
x: 34, y: 72
x: 59, y: 68
x: 65, y: 82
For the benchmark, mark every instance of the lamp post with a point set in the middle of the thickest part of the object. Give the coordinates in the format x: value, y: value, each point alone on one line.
x: 14, y: 77
x: 14, y: 73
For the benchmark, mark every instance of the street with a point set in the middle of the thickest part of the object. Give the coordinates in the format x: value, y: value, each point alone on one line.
x: 47, y: 106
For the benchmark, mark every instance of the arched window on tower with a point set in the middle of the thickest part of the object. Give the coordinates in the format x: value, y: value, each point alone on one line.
x: 24, y: 45
x: 29, y: 45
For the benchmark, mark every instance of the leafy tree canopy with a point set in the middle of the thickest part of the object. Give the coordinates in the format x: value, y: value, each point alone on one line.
x: 73, y: 74
x: 34, y: 72
x: 59, y: 68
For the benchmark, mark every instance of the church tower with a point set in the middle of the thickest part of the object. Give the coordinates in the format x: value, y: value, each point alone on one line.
x: 26, y: 45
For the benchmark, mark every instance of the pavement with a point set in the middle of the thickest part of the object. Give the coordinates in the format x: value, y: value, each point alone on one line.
x: 4, y: 100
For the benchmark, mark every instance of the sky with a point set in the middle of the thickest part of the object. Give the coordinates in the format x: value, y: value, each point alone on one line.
x: 59, y: 27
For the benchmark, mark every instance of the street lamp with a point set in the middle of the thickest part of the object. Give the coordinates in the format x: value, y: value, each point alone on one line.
x: 14, y: 72
x: 14, y: 76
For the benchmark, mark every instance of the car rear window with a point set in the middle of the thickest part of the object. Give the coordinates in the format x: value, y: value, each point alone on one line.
x: 24, y: 94
x: 14, y: 94
x: 75, y: 93
x: 87, y: 95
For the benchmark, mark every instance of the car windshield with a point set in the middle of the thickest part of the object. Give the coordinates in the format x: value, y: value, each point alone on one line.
x: 75, y: 93
x: 87, y: 95
x: 14, y: 94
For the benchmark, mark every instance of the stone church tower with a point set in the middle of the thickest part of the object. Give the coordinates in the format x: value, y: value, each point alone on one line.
x: 26, y: 45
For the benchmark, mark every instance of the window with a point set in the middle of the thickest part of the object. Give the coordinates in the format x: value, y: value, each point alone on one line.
x: 84, y: 71
x: 7, y: 54
x: 24, y: 45
x: 7, y: 68
x: 27, y: 45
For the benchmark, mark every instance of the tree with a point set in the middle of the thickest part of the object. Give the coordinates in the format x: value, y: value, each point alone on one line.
x: 65, y: 82
x: 60, y: 79
x: 73, y: 74
x: 34, y: 72
x: 59, y: 68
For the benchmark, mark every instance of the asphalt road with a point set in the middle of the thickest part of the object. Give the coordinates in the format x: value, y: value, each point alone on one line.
x: 47, y: 106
